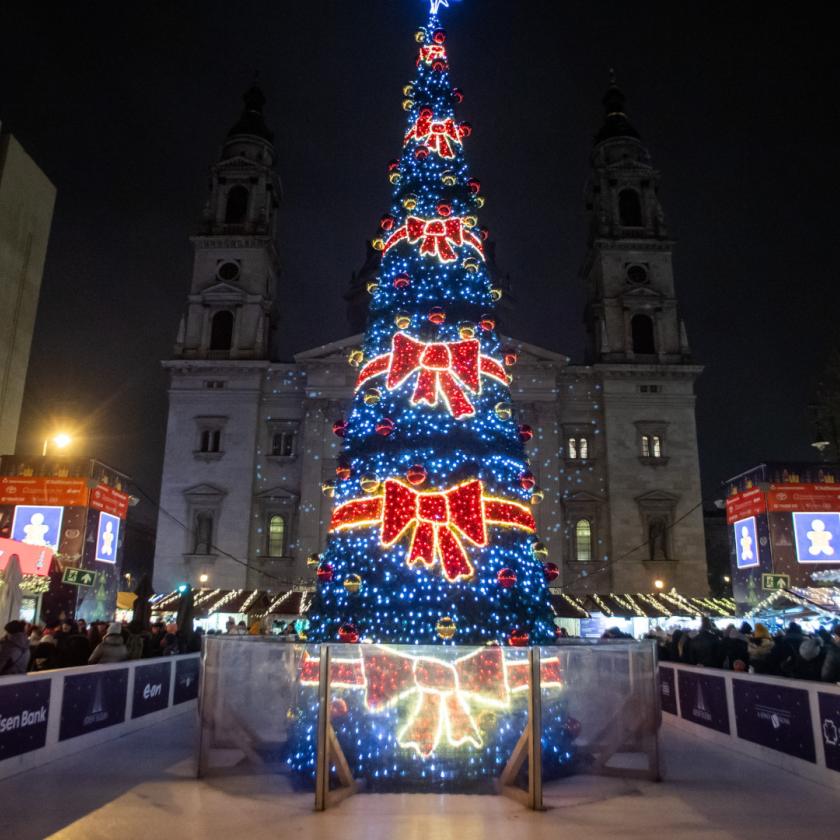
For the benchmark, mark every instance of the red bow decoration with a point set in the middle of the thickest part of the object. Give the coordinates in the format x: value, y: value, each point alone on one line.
x: 436, y: 236
x: 447, y: 692
x: 431, y: 52
x: 438, y: 135
x: 439, y: 521
x: 446, y: 368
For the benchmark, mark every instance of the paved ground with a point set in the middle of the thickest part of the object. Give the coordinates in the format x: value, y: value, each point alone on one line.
x: 140, y: 787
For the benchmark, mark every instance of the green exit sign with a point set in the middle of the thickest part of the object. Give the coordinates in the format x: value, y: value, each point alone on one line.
x: 78, y: 577
x: 771, y: 582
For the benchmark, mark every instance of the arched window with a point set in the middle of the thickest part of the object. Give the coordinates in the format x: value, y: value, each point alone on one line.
x: 221, y: 330
x: 237, y: 206
x: 583, y: 541
x: 276, y: 535
x: 641, y: 327
x: 630, y: 208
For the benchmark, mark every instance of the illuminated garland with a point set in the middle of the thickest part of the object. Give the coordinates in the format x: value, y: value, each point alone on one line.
x: 34, y: 584
x: 280, y: 599
x: 445, y: 370
x: 437, y: 237
x: 601, y: 605
x: 446, y: 694
x: 572, y: 602
x: 225, y: 599
x: 204, y: 596
x: 656, y: 605
x: 249, y: 601
x: 439, y: 520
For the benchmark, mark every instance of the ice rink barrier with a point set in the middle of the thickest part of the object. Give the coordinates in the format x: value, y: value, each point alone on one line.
x: 792, y: 724
x: 45, y: 715
x: 340, y: 719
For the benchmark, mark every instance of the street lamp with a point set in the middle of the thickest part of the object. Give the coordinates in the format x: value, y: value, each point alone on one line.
x: 61, y: 441
x: 203, y: 578
x: 659, y: 583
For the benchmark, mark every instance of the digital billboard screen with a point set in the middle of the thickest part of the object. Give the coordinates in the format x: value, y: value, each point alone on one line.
x: 746, y: 543
x: 38, y: 525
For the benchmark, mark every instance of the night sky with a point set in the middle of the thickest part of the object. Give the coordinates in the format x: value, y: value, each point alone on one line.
x: 124, y: 106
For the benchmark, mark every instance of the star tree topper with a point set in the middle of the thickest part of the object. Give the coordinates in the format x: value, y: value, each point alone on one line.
x: 436, y: 4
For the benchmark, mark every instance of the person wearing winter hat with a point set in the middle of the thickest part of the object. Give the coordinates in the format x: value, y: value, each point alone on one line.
x: 112, y: 648
x: 14, y: 649
x: 831, y: 663
x: 759, y: 649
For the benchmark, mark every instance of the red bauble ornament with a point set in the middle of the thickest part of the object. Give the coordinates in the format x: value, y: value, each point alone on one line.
x: 426, y: 113
x: 437, y: 315
x: 551, y: 571
x: 348, y: 633
x: 343, y: 471
x: 439, y: 36
x: 438, y: 66
x: 324, y: 572
x: 465, y: 129
x: 385, y: 426
x: 487, y: 323
x: 339, y: 428
x: 572, y: 727
x: 393, y: 165
x: 444, y: 209
x: 525, y: 433
x: 458, y: 95
x: 338, y: 708
x: 527, y: 480
x: 506, y: 578
x: 483, y: 233
x: 386, y: 222
x: 475, y: 186
x: 511, y: 357
x: 421, y: 152
x: 518, y: 638
x: 401, y: 281
x: 416, y: 474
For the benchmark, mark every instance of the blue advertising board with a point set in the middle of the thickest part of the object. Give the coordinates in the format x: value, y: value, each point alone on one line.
x: 703, y: 700
x: 107, y: 534
x: 817, y: 537
x: 746, y: 543
x: 24, y: 714
x: 667, y: 690
x: 830, y: 724
x: 93, y: 701
x: 38, y: 525
x: 774, y: 716
x: 151, y: 688
x: 186, y: 680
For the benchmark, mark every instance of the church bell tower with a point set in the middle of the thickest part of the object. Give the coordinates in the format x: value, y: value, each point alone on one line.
x: 236, y: 266
x: 631, y: 306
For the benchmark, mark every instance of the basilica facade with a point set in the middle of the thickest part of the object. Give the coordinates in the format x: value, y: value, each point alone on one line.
x: 250, y: 447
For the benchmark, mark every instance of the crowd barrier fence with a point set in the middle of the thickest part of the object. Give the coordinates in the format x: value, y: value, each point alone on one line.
x: 47, y: 715
x: 793, y: 724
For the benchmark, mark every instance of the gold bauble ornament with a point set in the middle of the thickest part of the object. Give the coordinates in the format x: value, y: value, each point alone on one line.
x: 371, y: 286
x: 409, y: 201
x: 479, y: 201
x: 495, y: 295
x: 537, y: 496
x: 420, y: 36
x: 328, y: 488
x: 540, y: 550
x: 355, y: 357
x: 352, y: 583
x: 504, y: 411
x: 470, y: 221
x: 466, y: 330
x: 372, y: 396
x: 394, y: 177
x: 408, y: 91
x: 370, y: 483
x: 408, y: 104
x: 470, y: 264
x: 378, y: 244
x: 313, y: 560
x: 448, y: 178
x: 446, y: 627
x: 402, y: 320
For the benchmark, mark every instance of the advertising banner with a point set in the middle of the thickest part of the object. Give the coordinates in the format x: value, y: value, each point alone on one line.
x: 32, y: 559
x: 745, y: 534
x: 667, y: 690
x: 29, y: 490
x: 830, y: 716
x: 93, y: 701
x: 808, y: 498
x: 817, y: 537
x: 186, y: 681
x: 24, y: 712
x: 106, y: 538
x: 151, y: 688
x: 38, y: 525
x: 741, y: 505
x: 703, y: 700
x: 750, y: 557
x: 774, y: 716
x: 109, y: 500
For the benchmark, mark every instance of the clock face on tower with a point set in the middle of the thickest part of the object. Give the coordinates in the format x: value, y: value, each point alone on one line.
x: 228, y: 270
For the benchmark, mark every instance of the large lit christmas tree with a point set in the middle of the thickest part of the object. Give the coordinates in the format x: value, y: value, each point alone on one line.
x: 432, y: 539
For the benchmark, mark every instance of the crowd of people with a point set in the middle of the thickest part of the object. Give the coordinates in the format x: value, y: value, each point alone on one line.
x: 788, y: 653
x: 69, y: 643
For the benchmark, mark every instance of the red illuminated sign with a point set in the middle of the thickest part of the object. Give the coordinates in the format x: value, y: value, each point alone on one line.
x: 32, y: 559
x: 741, y: 505
x: 803, y: 498
x: 110, y: 500
x: 29, y: 490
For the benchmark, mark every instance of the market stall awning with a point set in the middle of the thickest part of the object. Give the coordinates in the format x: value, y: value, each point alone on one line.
x: 254, y: 602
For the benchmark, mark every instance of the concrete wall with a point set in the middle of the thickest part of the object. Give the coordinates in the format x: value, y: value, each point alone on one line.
x: 27, y: 198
